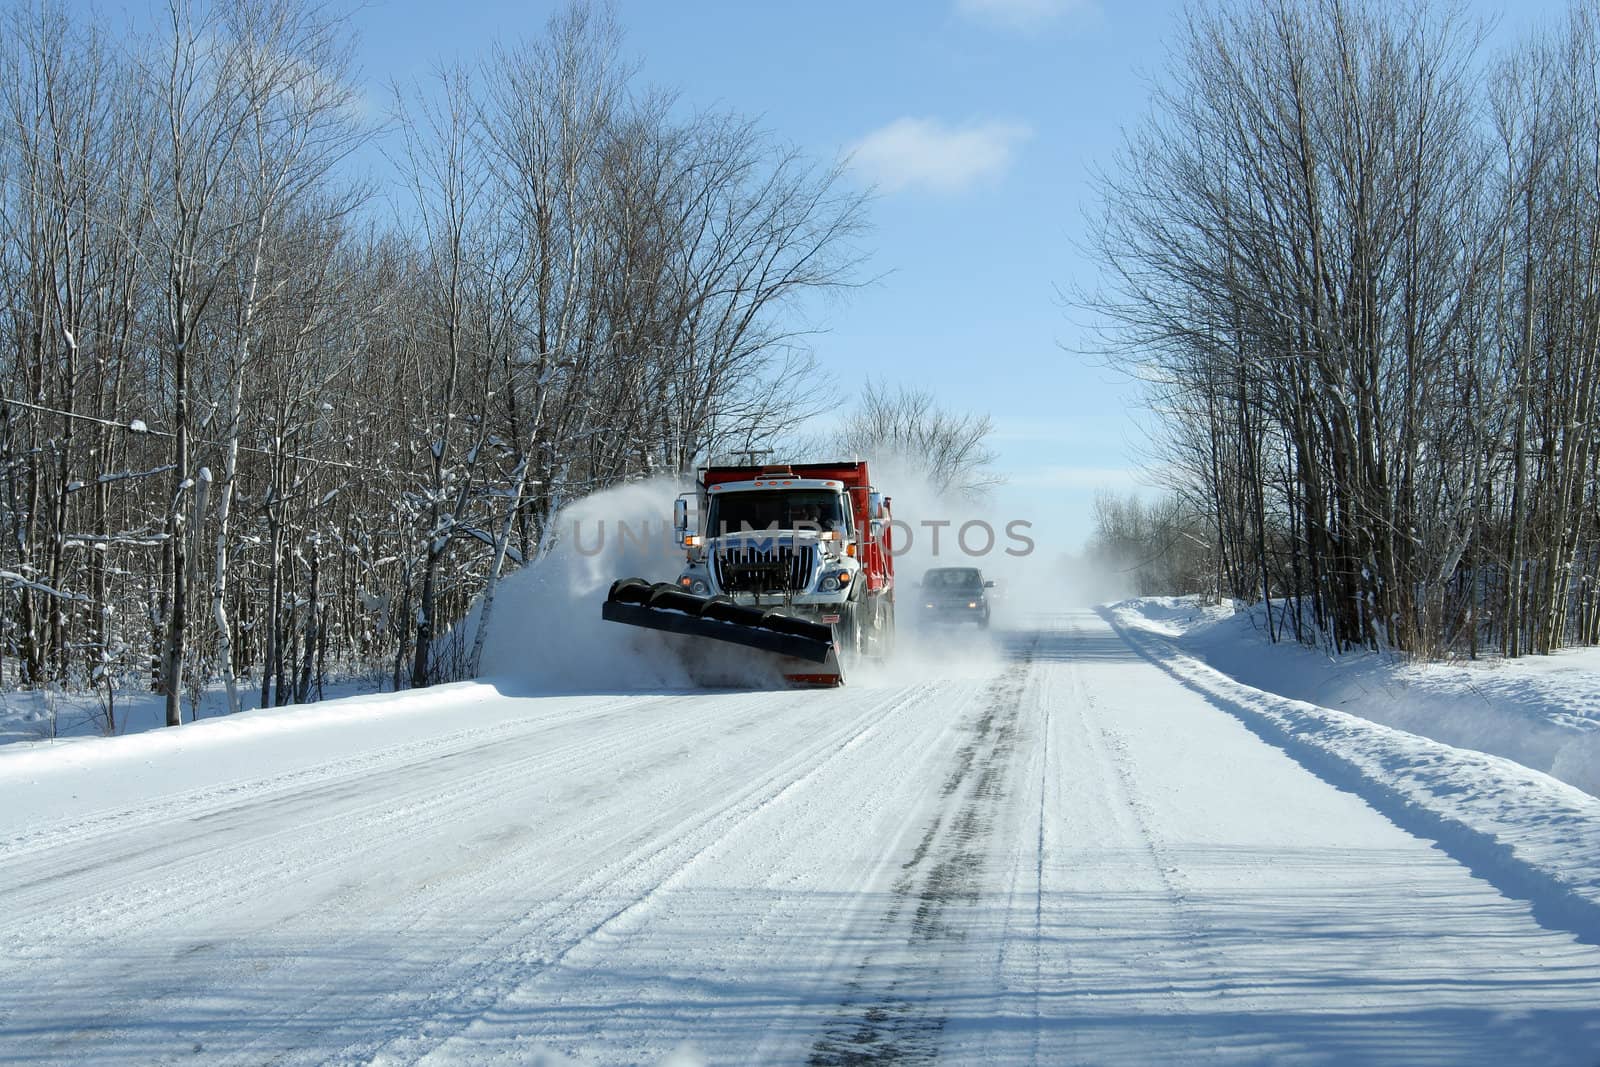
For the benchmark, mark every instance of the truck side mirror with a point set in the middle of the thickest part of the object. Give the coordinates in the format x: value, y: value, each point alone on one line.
x: 680, y: 518
x: 988, y: 585
x: 876, y: 506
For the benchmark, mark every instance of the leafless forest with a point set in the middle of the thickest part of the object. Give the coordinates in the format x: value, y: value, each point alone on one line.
x: 261, y: 421
x: 1356, y: 254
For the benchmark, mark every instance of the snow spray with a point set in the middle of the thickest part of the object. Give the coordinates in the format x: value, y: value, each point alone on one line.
x: 546, y: 629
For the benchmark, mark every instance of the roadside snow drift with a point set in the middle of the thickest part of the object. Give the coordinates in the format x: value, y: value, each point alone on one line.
x: 1541, y: 711
x: 1525, y: 831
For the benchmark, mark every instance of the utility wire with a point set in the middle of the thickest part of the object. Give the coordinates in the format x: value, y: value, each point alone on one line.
x: 129, y: 428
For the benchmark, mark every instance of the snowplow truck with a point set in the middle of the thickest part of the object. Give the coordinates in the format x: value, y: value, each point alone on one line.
x: 794, y: 561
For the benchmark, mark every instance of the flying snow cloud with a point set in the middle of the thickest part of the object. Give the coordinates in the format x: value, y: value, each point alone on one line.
x: 1025, y: 14
x: 912, y: 153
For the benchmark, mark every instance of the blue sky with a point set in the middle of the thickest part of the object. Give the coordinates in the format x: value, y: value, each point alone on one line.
x: 978, y: 121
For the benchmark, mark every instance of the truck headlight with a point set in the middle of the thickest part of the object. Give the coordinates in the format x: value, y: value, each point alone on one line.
x: 833, y: 581
x: 699, y: 588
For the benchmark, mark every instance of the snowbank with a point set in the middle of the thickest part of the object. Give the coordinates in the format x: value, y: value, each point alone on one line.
x: 1520, y: 829
x: 47, y: 784
x: 55, y: 716
x: 1541, y: 711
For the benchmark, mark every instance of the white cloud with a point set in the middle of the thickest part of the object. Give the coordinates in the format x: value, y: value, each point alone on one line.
x: 1025, y: 14
x: 910, y: 153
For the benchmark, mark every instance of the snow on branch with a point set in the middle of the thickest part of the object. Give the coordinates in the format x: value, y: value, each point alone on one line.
x: 17, y: 581
x: 121, y: 476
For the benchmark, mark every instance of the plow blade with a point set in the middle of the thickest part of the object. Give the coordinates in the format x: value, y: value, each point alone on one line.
x: 807, y: 651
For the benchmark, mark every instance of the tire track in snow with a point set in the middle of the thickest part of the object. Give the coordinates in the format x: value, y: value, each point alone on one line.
x: 1049, y: 790
x: 341, y: 839
x: 1109, y: 754
x: 335, y: 823
x: 892, y: 801
x: 504, y: 971
x: 99, y: 828
x: 888, y: 1014
x: 1023, y: 886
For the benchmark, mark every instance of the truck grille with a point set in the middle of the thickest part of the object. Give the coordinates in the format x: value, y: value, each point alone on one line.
x: 768, y: 568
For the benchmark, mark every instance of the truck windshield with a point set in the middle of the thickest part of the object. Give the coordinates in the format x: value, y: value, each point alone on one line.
x: 759, y: 510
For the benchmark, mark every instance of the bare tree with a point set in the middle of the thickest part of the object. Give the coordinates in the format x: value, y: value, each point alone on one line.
x: 249, y: 430
x: 1304, y: 241
x: 906, y: 423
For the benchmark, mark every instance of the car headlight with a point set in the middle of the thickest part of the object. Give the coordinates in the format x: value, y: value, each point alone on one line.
x: 972, y: 603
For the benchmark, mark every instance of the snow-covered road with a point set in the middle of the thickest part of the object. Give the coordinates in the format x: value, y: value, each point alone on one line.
x: 1065, y: 856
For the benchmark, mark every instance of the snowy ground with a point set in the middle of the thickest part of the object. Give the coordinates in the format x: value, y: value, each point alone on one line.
x: 1541, y: 711
x: 57, y: 715
x: 1069, y: 851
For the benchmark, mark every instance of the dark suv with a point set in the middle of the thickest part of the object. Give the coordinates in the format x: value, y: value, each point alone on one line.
x: 955, y: 594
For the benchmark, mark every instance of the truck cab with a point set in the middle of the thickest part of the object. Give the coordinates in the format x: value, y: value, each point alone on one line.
x: 811, y: 539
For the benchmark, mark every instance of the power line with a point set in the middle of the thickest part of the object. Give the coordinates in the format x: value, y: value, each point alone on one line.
x: 138, y: 427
